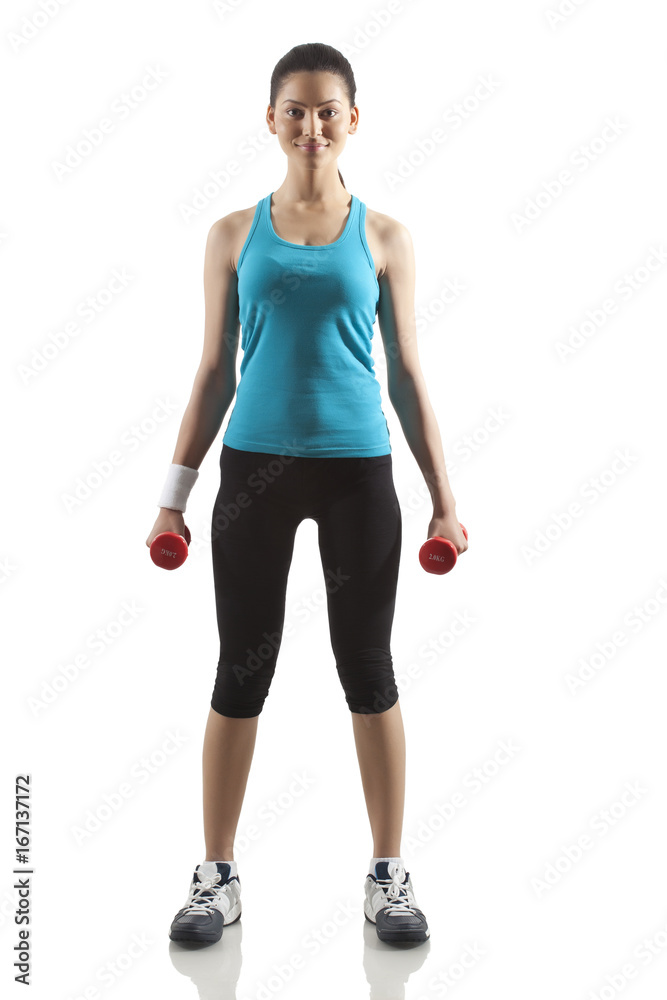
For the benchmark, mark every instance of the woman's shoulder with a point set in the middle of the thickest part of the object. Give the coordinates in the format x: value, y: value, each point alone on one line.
x: 234, y: 221
x: 232, y: 230
x: 385, y: 227
x: 388, y: 239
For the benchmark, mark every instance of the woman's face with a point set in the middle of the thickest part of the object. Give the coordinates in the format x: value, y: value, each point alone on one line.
x: 312, y: 118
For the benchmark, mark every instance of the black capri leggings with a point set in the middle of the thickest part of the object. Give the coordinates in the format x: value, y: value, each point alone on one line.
x: 262, y: 500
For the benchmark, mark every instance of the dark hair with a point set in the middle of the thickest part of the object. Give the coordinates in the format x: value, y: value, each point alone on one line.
x: 313, y: 57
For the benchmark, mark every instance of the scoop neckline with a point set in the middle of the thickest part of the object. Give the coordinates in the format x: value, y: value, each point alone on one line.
x: 306, y: 246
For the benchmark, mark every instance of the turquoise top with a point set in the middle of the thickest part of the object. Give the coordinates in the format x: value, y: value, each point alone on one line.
x: 307, y: 384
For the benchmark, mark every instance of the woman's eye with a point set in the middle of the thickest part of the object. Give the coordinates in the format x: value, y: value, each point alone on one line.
x: 290, y: 110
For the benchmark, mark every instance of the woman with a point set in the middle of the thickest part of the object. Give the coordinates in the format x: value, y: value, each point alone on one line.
x: 304, y: 273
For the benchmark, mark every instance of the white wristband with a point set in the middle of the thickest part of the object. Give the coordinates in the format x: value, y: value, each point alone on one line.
x: 176, y: 490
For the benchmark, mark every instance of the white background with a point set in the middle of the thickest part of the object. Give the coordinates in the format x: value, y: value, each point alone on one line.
x: 494, y: 879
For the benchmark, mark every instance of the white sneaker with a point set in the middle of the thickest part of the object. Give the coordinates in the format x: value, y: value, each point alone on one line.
x: 390, y: 904
x: 214, y: 900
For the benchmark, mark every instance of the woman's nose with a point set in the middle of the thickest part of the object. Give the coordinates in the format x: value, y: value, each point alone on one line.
x: 311, y: 125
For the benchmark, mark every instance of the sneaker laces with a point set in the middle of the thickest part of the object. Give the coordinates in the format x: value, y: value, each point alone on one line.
x: 199, y: 903
x: 401, y: 898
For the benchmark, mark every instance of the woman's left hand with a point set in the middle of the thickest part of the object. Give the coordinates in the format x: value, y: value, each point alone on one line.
x: 448, y: 527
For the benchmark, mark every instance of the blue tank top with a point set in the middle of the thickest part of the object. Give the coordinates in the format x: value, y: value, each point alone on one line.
x: 307, y: 383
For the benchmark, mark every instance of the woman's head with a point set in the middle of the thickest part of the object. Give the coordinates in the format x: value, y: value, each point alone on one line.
x: 312, y: 97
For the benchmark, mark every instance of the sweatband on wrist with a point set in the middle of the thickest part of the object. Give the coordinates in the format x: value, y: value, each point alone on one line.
x: 176, y: 490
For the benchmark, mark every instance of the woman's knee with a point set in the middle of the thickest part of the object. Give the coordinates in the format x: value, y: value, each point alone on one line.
x: 368, y: 681
x: 239, y: 692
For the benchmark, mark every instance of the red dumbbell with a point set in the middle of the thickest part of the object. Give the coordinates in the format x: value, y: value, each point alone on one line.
x: 438, y: 555
x: 170, y: 550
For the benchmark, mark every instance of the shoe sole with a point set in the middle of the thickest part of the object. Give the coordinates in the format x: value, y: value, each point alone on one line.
x: 203, y: 936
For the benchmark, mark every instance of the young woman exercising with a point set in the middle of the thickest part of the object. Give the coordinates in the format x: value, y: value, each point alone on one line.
x: 304, y: 274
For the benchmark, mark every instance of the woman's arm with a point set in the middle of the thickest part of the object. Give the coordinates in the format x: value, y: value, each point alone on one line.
x: 215, y: 381
x: 405, y: 379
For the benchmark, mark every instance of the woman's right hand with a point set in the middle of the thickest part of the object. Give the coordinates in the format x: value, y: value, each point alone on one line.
x: 167, y: 520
